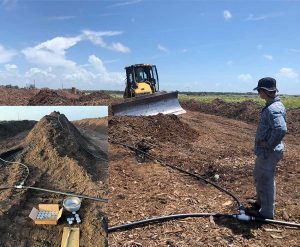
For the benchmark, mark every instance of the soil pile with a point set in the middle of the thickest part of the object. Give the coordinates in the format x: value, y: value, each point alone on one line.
x: 11, y: 128
x: 62, y: 159
x: 159, y: 128
x: 53, y: 97
x: 49, y: 97
x: 15, y: 96
x: 94, y: 96
x: 247, y: 111
x: 97, y: 124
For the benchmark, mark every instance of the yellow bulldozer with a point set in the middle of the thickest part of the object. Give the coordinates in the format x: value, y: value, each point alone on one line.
x: 142, y: 96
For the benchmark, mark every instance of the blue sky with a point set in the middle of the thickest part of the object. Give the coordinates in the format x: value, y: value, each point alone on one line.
x: 222, y: 46
x: 8, y: 113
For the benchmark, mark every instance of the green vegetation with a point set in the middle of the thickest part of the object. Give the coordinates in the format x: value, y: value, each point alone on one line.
x: 290, y: 102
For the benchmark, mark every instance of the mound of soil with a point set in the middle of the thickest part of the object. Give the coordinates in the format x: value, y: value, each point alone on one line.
x: 49, y: 97
x: 159, y: 128
x: 60, y: 158
x: 246, y: 111
x: 94, y: 96
x: 53, y: 97
x: 11, y: 128
x: 15, y: 96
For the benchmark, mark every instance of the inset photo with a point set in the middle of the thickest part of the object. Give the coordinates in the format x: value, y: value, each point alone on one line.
x: 53, y: 175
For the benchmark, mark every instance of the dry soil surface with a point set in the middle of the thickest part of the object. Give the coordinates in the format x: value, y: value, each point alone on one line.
x: 60, y: 157
x: 207, y: 145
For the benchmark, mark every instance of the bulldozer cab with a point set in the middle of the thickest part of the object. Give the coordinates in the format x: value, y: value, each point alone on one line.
x: 142, y: 73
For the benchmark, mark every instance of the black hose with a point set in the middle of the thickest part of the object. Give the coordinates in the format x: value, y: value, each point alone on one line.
x: 160, y: 219
x: 180, y: 216
x: 183, y: 171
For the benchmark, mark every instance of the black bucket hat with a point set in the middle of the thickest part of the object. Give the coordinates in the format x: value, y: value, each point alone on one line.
x: 267, y: 83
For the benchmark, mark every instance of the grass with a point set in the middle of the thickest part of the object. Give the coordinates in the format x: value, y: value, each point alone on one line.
x: 290, y: 102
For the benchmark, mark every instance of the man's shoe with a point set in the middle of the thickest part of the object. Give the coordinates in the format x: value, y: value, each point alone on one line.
x: 256, y: 214
x: 254, y: 204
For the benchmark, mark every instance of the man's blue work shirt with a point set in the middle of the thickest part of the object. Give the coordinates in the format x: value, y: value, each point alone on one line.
x: 271, y: 128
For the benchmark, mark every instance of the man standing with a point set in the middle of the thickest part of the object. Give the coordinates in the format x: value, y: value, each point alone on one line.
x: 268, y: 146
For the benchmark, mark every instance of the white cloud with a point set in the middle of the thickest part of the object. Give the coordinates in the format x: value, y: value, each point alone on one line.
x: 10, y: 75
x: 97, y: 39
x: 6, y: 55
x: 10, y: 67
x: 53, y: 66
x: 288, y: 73
x: 52, y: 52
x: 245, y: 77
x: 162, y: 48
x: 251, y: 17
x: 93, y: 75
x: 227, y: 15
x: 119, y: 47
x: 268, y: 56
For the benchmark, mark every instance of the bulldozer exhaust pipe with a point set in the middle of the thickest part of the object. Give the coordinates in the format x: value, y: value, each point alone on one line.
x: 150, y: 104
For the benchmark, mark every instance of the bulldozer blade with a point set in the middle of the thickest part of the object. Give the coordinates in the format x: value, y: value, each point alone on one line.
x: 150, y: 104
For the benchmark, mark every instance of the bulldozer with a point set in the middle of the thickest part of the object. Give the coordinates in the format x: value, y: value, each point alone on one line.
x: 142, y: 96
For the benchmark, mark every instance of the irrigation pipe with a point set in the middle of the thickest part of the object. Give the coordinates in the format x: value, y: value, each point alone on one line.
x: 242, y: 216
x: 161, y: 219
x: 62, y: 193
x: 183, y: 171
x: 55, y: 192
x: 158, y: 220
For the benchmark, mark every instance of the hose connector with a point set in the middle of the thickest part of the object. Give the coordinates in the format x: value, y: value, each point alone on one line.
x: 19, y: 186
x: 243, y: 217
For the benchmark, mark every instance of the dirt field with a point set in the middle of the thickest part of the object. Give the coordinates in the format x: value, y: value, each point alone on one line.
x: 208, y: 145
x: 210, y: 139
x: 60, y: 157
x: 12, y: 96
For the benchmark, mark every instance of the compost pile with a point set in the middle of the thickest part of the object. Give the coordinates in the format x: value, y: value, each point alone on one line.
x: 53, y: 97
x: 15, y: 96
x: 50, y: 97
x: 159, y: 128
x: 95, y: 97
x: 60, y: 158
x: 247, y: 111
x: 216, y: 147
